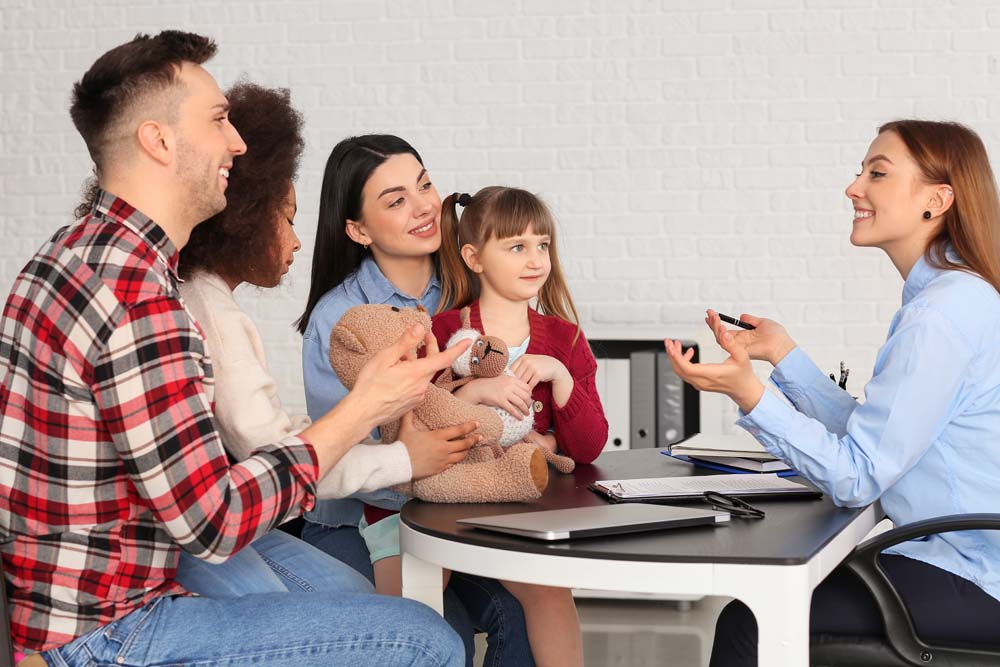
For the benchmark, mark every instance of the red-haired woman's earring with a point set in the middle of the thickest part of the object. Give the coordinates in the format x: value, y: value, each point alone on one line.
x: 927, y: 215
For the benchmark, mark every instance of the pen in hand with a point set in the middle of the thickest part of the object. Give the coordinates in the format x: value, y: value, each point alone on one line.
x: 736, y: 322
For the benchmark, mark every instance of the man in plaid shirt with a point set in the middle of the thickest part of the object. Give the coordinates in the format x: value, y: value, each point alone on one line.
x: 109, y: 458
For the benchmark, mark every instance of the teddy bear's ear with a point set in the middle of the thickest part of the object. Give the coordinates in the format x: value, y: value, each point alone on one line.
x: 346, y: 338
x: 466, y: 315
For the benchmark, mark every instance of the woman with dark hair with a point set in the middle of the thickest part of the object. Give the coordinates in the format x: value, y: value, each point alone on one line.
x: 253, y: 241
x: 923, y: 442
x: 377, y: 242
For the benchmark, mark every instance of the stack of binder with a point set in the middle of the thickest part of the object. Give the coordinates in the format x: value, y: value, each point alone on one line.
x: 646, y: 403
x: 735, y: 453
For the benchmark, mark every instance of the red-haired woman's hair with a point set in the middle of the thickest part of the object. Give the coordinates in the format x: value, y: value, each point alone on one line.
x: 952, y: 154
x: 498, y: 212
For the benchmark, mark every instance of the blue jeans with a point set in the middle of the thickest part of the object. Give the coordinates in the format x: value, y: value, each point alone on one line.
x: 274, y: 629
x: 471, y: 603
x: 274, y: 563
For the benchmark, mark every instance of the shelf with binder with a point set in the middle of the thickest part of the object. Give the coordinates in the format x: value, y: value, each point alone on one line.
x: 645, y: 402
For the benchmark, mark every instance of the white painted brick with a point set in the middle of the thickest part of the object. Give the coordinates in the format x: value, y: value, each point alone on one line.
x: 913, y: 42
x: 556, y: 92
x: 783, y: 44
x: 802, y: 111
x: 954, y: 109
x: 803, y: 65
x: 460, y: 73
x: 625, y: 47
x: 473, y: 51
x: 692, y: 152
x: 420, y: 9
x: 682, y: 45
x: 547, y: 48
x: 667, y: 24
x: 865, y: 65
x: 663, y: 291
x: 949, y: 18
x: 591, y: 26
x: 731, y: 22
x: 448, y: 31
x: 626, y: 312
x: 507, y: 93
x: 769, y: 88
x: 526, y: 159
x: 351, y: 10
x: 909, y: 87
x: 387, y: 74
x: 951, y: 64
x: 628, y: 91
x: 978, y: 41
x: 731, y: 67
x: 520, y: 72
x: 592, y: 114
x: 590, y: 71
x: 886, y: 20
x: 812, y: 21
x: 533, y: 115
x: 732, y: 247
x: 737, y: 111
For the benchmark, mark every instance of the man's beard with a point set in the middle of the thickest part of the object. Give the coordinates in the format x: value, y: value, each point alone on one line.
x: 202, y: 197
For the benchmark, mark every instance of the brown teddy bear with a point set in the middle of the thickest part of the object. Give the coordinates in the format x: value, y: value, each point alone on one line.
x: 490, y: 473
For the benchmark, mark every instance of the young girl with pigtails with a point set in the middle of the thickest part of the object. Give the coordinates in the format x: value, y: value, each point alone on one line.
x: 500, y: 260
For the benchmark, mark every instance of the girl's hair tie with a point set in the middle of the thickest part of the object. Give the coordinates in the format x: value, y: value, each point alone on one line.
x: 464, y: 199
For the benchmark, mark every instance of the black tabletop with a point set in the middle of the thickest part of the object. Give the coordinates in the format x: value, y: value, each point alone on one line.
x: 793, y: 531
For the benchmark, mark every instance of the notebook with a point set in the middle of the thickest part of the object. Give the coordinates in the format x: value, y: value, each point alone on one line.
x: 740, y: 444
x: 693, y: 488
x: 752, y: 465
x: 595, y: 521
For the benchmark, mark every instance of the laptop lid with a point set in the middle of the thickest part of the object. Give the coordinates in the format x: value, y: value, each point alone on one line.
x: 595, y: 521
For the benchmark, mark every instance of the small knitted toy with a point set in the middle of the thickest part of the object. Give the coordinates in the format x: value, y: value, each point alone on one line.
x: 486, y: 358
x: 489, y: 473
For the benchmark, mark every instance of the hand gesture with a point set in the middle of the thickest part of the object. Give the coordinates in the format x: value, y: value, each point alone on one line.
x: 734, y: 377
x: 504, y: 391
x: 433, y: 451
x: 394, y: 381
x: 768, y: 341
x: 535, y: 368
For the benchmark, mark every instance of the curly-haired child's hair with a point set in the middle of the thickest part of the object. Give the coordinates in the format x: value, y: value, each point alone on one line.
x: 239, y: 241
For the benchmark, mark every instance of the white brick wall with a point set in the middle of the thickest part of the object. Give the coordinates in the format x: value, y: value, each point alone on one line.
x: 695, y: 153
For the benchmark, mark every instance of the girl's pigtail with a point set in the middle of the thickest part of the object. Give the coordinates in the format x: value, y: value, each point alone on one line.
x: 454, y: 278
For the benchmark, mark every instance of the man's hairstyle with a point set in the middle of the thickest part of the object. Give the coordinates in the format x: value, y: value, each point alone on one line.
x: 241, y: 240
x: 124, y: 77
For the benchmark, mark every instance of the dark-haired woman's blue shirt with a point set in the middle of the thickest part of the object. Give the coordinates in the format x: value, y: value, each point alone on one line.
x: 324, y: 389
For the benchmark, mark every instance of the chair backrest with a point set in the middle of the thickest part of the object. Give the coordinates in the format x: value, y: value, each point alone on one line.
x: 6, y: 645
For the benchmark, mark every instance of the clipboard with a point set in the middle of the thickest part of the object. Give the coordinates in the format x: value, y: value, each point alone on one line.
x: 688, y: 489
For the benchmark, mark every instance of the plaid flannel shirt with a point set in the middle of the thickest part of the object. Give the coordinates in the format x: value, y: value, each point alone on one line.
x: 109, y: 458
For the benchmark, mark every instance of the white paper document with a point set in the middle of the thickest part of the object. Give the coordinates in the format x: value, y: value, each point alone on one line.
x: 668, y: 487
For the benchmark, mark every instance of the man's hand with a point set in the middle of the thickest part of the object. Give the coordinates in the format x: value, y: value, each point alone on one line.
x: 434, y: 451
x: 394, y: 381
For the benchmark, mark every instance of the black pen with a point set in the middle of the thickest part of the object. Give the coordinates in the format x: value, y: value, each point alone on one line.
x: 736, y: 322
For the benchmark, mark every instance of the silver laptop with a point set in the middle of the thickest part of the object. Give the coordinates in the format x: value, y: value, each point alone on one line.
x: 595, y: 521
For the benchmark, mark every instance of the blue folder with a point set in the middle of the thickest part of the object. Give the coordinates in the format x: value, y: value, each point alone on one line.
x: 724, y: 468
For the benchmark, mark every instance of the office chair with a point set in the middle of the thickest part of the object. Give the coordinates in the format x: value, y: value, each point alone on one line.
x: 901, y: 647
x: 6, y: 645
